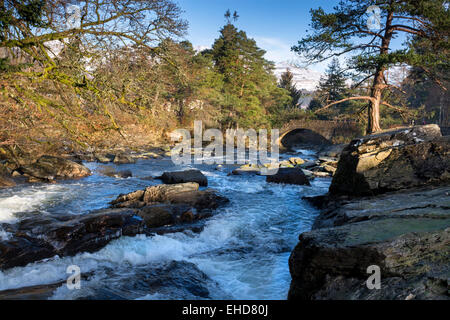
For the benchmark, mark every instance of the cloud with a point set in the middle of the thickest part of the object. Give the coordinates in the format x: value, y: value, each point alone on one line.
x: 277, y: 49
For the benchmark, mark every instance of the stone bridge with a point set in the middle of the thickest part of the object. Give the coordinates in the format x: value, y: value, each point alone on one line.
x: 317, y: 132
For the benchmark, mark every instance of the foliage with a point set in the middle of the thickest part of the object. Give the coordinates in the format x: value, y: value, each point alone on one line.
x: 287, y: 82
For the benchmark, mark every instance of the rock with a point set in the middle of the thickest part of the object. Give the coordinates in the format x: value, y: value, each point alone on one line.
x: 182, y: 193
x: 103, y: 158
x: 22, y: 249
x: 289, y: 176
x: 159, y: 215
x: 48, y: 168
x: 393, y: 160
x: 332, y: 263
x: 247, y: 169
x: 185, y: 176
x: 5, y: 178
x: 333, y: 151
x: 39, y: 237
x: 309, y: 164
x: 122, y: 158
x: 329, y: 169
x: 172, y: 279
x: 151, y: 155
x: 328, y: 160
x: 296, y: 161
x: 111, y: 172
x: 286, y: 164
x: 309, y: 174
x: 406, y: 234
x: 321, y: 174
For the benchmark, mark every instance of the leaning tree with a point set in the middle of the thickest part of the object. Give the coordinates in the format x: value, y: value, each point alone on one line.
x: 352, y: 29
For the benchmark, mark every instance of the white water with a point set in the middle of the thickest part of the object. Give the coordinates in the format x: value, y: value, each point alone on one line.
x: 244, y: 248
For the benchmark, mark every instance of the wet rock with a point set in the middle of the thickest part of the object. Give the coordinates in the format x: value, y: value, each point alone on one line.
x: 289, y: 176
x: 174, y: 279
x: 40, y: 237
x: 393, y: 160
x: 92, y: 232
x: 182, y: 193
x: 185, y: 176
x: 122, y: 158
x: 159, y: 215
x: 111, y: 172
x: 23, y: 249
x: 48, y: 168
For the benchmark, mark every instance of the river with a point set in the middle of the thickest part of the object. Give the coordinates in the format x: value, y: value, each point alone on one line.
x: 242, y: 252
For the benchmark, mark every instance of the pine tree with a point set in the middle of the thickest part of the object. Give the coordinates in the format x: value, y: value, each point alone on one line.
x: 287, y: 82
x: 333, y: 87
x: 250, y: 87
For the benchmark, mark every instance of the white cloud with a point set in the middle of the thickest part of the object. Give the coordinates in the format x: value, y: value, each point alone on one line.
x: 277, y: 49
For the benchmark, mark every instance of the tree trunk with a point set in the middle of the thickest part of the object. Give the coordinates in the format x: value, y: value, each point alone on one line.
x: 373, y: 124
x: 378, y: 85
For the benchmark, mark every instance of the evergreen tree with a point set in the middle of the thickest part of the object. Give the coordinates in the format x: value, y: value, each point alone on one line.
x: 333, y: 86
x: 286, y: 82
x: 250, y: 88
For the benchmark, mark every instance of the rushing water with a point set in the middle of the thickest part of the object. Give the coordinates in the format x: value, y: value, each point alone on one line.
x: 243, y: 249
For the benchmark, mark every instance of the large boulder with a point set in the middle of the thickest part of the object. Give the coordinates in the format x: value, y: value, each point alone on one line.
x: 185, y: 176
x: 182, y: 193
x: 406, y: 234
x: 48, y: 168
x: 40, y: 237
x: 289, y: 176
x: 393, y: 160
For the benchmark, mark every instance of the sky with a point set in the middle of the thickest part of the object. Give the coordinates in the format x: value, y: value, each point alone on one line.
x: 275, y: 25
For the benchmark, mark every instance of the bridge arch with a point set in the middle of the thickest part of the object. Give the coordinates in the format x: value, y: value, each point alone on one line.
x: 315, y: 132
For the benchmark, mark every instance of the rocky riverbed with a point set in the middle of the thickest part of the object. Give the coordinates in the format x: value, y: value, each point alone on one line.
x: 144, y: 228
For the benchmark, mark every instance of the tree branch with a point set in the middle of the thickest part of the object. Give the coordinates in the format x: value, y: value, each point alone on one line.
x: 343, y: 100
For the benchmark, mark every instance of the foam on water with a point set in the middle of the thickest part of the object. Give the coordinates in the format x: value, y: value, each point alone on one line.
x: 28, y: 199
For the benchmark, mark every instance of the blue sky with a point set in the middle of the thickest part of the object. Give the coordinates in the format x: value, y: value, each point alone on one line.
x: 275, y: 25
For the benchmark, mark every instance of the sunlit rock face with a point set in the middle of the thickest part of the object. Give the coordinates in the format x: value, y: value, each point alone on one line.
x: 393, y: 160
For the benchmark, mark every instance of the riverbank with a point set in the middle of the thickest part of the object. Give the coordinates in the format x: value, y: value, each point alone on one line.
x: 388, y: 207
